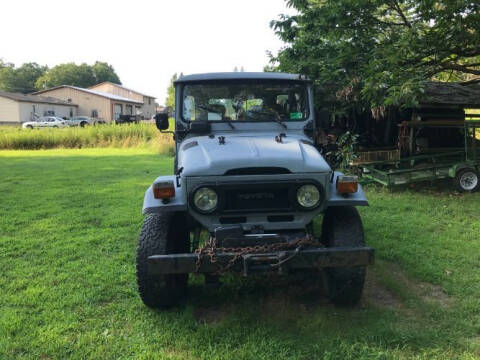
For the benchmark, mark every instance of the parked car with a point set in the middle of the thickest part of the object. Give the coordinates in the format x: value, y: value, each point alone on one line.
x: 46, y: 121
x: 255, y: 181
x: 81, y: 121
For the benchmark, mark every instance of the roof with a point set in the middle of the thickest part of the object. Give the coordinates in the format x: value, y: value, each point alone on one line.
x: 93, y: 92
x: 34, y: 98
x: 123, y: 87
x: 241, y: 75
x: 443, y: 93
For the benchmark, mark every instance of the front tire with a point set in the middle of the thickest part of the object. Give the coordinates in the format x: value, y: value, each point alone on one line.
x: 162, y: 234
x: 342, y: 227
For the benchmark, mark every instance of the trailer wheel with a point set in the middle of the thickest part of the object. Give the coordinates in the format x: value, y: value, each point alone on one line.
x: 342, y: 227
x: 162, y: 234
x: 466, y: 180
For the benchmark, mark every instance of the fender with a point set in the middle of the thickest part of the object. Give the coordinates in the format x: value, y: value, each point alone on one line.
x: 452, y: 172
x: 178, y: 203
x: 335, y: 199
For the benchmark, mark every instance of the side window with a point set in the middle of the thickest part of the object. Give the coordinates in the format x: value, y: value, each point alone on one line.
x: 94, y: 113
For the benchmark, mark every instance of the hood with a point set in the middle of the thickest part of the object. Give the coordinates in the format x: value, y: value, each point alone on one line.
x: 205, y: 156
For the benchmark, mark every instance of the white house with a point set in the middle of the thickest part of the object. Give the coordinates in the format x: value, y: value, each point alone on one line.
x: 16, y: 108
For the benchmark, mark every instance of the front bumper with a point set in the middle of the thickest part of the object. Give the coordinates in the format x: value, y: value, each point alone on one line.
x: 281, y: 261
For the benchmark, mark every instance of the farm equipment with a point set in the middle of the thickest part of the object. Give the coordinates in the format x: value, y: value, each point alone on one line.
x: 462, y: 164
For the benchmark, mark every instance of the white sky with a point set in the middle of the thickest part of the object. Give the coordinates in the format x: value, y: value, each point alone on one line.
x: 145, y: 41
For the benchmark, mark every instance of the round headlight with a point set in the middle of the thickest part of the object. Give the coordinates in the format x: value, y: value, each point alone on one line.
x: 308, y: 196
x: 205, y: 199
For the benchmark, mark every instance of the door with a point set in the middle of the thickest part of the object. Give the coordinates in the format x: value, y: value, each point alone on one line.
x: 118, y: 110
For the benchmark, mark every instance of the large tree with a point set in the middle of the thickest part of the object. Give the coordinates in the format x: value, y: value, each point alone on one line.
x: 380, y: 52
x: 21, y: 79
x: 82, y: 75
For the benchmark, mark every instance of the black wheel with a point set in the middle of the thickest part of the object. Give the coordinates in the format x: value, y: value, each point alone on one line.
x: 83, y: 124
x: 55, y: 127
x: 30, y: 127
x: 342, y: 227
x: 162, y: 234
x: 466, y: 180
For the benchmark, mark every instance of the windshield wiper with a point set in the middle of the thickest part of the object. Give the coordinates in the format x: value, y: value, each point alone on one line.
x: 278, y: 120
x: 229, y: 122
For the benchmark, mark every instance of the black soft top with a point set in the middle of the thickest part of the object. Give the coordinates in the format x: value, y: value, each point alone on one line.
x: 241, y: 76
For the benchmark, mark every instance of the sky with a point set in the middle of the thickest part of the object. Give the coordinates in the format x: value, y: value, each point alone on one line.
x: 146, y: 41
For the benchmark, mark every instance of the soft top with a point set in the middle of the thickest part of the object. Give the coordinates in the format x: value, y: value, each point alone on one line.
x: 241, y: 75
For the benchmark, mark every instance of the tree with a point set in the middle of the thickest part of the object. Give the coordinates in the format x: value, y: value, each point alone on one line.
x: 105, y: 72
x: 82, y: 75
x: 380, y: 52
x: 21, y: 79
x: 170, y: 100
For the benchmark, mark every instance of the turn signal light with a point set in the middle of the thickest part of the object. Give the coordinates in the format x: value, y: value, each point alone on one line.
x: 347, y: 184
x: 163, y: 190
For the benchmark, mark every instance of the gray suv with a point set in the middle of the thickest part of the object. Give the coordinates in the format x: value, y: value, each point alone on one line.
x: 249, y: 173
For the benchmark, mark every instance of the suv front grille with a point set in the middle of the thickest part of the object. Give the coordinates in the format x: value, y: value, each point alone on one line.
x: 258, y: 198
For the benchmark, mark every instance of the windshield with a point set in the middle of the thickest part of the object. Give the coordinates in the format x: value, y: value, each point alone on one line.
x: 245, y: 101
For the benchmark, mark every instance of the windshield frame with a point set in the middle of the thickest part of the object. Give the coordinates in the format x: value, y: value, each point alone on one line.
x: 303, y: 83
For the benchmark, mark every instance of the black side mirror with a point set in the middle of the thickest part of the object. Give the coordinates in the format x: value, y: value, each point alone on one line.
x: 161, y: 121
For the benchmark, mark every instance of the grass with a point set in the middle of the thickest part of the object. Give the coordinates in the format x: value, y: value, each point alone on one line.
x: 117, y: 136
x: 69, y: 221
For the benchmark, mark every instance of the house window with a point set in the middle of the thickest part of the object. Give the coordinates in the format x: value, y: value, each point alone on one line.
x: 118, y: 110
x: 128, y: 109
x: 94, y: 114
x: 71, y: 112
x: 149, y: 101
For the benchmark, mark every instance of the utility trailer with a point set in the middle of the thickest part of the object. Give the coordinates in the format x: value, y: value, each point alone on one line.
x: 462, y: 165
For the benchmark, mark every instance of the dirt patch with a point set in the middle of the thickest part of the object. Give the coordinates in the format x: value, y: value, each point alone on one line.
x: 378, y: 295
x: 382, y: 296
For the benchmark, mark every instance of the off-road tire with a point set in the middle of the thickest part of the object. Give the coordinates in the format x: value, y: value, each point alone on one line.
x: 460, y: 183
x: 83, y: 124
x: 30, y: 127
x: 342, y: 227
x: 162, y: 234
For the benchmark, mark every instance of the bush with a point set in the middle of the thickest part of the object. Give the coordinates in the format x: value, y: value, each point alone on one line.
x: 118, y: 136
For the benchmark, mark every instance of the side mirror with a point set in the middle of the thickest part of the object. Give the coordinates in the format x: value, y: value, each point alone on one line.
x: 161, y: 121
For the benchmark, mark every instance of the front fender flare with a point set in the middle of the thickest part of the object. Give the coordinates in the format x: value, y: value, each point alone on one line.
x: 335, y: 199
x: 152, y: 205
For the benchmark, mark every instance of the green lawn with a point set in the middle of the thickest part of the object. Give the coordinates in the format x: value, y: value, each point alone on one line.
x: 69, y: 221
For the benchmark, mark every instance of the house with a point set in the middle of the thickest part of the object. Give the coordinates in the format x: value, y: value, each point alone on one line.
x: 93, y: 103
x: 147, y: 110
x: 16, y: 108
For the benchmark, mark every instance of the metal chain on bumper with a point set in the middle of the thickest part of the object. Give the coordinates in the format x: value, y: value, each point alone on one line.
x: 210, y: 249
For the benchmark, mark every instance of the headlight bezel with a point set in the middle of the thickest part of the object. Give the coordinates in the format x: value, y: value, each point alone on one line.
x: 196, y: 207
x: 320, y: 196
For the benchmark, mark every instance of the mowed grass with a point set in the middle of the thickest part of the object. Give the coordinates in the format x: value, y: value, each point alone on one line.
x: 69, y: 221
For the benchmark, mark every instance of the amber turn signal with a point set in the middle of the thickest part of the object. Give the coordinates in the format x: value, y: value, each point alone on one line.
x: 163, y: 190
x: 347, y: 184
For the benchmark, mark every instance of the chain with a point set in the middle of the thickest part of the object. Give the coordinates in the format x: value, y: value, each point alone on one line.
x: 210, y: 249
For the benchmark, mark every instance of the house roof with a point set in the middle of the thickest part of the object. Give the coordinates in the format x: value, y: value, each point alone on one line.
x: 443, y: 93
x: 241, y: 76
x: 93, y: 92
x: 34, y: 98
x: 123, y: 87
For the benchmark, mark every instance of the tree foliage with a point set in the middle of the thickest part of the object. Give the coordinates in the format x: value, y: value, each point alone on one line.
x: 170, y: 100
x: 21, y: 79
x: 82, y: 75
x: 380, y: 52
x: 31, y: 76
